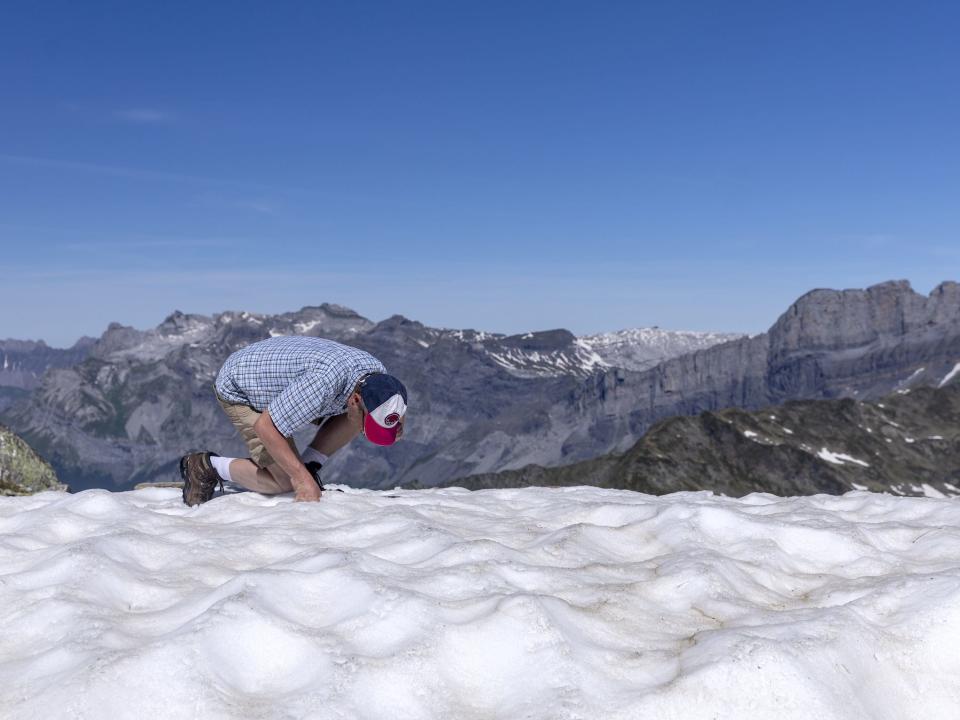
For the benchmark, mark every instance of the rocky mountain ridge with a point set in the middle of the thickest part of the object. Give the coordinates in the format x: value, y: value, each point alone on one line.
x: 906, y: 444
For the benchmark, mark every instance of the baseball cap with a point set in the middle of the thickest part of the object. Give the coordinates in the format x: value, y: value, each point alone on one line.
x: 385, y: 398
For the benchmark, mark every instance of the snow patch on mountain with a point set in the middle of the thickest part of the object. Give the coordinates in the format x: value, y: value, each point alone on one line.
x: 643, y: 348
x: 950, y: 375
x: 635, y: 349
x: 839, y: 458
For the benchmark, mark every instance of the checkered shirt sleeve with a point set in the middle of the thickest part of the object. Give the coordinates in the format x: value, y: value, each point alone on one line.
x: 298, y: 379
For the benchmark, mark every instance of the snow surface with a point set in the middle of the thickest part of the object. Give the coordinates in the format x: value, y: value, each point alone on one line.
x: 533, y: 603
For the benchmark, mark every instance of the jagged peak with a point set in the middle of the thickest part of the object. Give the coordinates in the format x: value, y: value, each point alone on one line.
x: 398, y: 321
x: 337, y: 310
x: 947, y: 286
x: 85, y: 341
x: 13, y: 342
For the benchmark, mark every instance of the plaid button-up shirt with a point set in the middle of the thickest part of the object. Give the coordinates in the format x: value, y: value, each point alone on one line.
x: 299, y: 379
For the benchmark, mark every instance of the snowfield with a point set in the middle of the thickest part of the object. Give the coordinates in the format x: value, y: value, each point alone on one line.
x: 534, y: 603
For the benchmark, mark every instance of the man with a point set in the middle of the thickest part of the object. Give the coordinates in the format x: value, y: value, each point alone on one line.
x: 275, y: 387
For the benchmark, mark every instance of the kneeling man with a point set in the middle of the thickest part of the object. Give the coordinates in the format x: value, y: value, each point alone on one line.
x: 273, y: 388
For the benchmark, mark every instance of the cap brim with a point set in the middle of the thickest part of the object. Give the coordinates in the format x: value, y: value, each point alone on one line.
x: 379, y: 435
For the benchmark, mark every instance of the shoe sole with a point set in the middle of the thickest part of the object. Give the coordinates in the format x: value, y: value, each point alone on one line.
x: 186, y: 482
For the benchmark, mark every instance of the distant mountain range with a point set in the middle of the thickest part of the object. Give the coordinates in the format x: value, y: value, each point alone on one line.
x: 135, y: 400
x: 481, y: 402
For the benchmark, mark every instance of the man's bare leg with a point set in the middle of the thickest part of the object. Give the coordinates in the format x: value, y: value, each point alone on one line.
x: 245, y: 472
x: 333, y: 435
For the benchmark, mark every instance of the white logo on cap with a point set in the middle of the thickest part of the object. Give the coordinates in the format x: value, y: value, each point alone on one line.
x: 389, y: 412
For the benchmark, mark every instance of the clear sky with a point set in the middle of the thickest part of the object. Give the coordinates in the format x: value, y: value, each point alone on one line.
x: 505, y: 166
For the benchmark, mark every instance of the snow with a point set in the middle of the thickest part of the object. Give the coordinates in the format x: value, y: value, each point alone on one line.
x: 839, y: 458
x: 302, y: 328
x: 907, y: 381
x: 589, y: 359
x: 642, y: 348
x: 534, y: 603
x: 950, y: 375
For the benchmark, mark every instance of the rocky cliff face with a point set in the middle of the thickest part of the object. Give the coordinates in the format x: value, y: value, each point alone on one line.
x: 22, y: 471
x: 479, y: 402
x: 851, y: 343
x: 906, y: 444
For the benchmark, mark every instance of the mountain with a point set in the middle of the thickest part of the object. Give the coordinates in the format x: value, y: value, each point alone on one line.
x: 22, y: 471
x: 140, y: 399
x: 828, y: 344
x: 23, y: 363
x: 480, y: 402
x: 907, y: 444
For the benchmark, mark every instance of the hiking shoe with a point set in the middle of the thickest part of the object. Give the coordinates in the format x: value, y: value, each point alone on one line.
x: 199, y: 478
x: 314, y: 467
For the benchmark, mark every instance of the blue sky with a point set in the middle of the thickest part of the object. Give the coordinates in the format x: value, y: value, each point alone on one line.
x: 499, y: 165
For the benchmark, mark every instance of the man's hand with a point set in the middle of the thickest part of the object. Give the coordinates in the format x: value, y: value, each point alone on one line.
x: 307, y: 493
x: 304, y: 486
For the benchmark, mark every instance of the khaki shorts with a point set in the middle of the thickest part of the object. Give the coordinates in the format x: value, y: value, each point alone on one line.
x: 243, y: 417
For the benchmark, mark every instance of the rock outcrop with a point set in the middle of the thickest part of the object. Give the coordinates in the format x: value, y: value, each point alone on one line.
x: 22, y: 471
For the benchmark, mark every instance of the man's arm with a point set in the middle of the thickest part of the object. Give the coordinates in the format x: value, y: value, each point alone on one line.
x: 276, y: 444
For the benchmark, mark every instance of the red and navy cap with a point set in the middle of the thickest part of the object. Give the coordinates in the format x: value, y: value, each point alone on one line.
x: 385, y: 398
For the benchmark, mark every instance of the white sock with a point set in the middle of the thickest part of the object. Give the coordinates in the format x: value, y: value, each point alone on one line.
x: 313, y: 455
x: 222, y: 466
